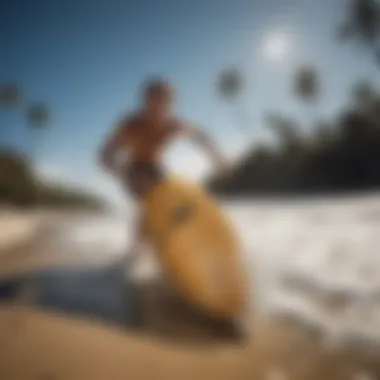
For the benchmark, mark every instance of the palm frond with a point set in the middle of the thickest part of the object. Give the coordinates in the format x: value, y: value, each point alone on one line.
x: 344, y: 32
x: 306, y: 83
x: 10, y: 95
x: 38, y: 115
x: 230, y: 82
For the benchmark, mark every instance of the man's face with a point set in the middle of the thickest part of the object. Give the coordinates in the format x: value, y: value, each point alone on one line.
x: 160, y: 104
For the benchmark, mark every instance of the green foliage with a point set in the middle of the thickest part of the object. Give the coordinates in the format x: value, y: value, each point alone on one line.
x: 10, y: 96
x: 38, y: 115
x: 19, y: 187
x: 306, y: 83
x: 362, y: 25
x: 15, y: 179
x: 230, y: 83
x: 340, y: 155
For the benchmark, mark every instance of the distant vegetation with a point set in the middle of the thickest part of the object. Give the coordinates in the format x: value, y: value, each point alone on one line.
x: 337, y: 155
x: 19, y: 183
x: 20, y: 187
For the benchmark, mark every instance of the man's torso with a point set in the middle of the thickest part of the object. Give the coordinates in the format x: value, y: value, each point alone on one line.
x: 146, y: 140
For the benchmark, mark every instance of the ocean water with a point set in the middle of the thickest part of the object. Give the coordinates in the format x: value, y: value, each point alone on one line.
x: 317, y: 260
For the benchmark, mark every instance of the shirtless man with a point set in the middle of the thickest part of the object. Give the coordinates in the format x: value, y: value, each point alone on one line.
x: 143, y: 136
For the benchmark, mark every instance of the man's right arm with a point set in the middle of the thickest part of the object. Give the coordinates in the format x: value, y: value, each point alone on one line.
x: 204, y: 141
x: 112, y: 145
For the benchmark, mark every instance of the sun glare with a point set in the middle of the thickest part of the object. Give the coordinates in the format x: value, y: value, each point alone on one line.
x: 276, y: 46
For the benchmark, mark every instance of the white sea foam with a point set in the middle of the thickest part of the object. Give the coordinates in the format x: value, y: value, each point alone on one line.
x: 318, y: 260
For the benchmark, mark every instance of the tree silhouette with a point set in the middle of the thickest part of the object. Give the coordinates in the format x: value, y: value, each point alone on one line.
x: 10, y: 98
x: 284, y: 128
x: 306, y: 88
x: 366, y: 98
x: 306, y: 84
x: 230, y: 83
x: 19, y: 184
x: 342, y: 154
x: 364, y: 93
x: 38, y: 115
x: 362, y: 25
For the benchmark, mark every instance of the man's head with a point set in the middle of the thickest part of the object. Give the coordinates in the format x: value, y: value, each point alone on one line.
x: 158, y: 97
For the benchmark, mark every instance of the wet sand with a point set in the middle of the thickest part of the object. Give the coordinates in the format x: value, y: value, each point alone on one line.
x: 41, y: 346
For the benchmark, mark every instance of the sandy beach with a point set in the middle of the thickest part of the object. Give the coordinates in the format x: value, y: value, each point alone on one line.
x: 38, y: 345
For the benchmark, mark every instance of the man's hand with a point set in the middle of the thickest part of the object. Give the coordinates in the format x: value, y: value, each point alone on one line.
x: 203, y: 140
x: 226, y: 168
x: 113, y: 144
x: 223, y: 165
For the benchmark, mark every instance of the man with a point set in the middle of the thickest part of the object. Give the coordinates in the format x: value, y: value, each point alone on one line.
x: 144, y: 135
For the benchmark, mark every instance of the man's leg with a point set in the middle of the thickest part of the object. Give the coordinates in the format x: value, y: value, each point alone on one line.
x: 140, y: 178
x: 133, y: 254
x: 136, y: 184
x: 139, y: 239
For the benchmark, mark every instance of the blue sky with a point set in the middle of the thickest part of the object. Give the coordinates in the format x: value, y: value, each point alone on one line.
x: 87, y: 58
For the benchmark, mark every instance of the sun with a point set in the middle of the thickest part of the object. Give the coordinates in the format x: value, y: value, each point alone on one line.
x: 276, y: 45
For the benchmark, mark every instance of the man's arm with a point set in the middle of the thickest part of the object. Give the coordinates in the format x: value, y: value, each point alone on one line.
x: 112, y: 146
x: 199, y: 137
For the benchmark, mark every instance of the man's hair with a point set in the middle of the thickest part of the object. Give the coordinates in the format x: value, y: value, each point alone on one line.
x: 157, y: 86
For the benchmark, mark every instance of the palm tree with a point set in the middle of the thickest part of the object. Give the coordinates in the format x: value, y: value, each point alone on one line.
x: 230, y: 83
x: 362, y: 25
x: 284, y: 128
x: 229, y: 86
x: 324, y: 133
x: 306, y: 84
x: 364, y: 94
x: 38, y: 115
x: 10, y: 98
x: 366, y: 98
x: 306, y: 88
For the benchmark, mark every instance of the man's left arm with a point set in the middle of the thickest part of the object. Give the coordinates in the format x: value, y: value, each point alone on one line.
x: 204, y: 141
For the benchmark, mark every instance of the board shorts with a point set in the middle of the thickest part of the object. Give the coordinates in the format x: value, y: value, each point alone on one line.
x: 140, y: 177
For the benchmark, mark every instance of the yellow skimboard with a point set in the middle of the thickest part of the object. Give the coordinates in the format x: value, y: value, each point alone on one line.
x: 196, y: 246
